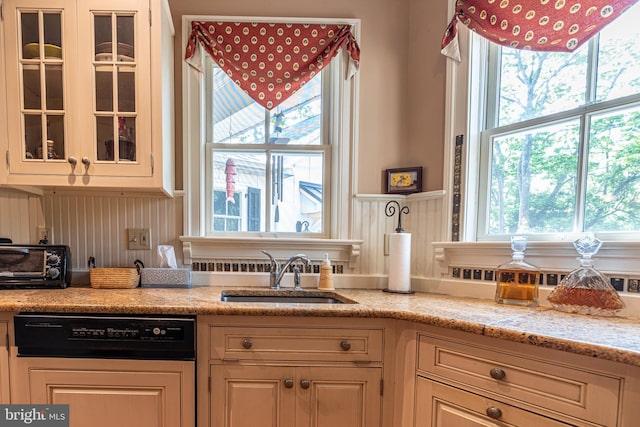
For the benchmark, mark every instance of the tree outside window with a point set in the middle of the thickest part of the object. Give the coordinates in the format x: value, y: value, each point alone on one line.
x: 562, y: 141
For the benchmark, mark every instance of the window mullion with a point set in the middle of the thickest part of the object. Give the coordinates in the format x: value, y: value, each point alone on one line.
x: 583, y: 166
x: 592, y: 70
x: 585, y: 129
x: 268, y: 172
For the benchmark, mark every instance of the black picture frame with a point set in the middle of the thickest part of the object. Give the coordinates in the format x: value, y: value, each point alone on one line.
x: 403, y: 180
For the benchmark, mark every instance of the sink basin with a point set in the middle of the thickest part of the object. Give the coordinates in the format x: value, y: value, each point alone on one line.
x: 284, y: 297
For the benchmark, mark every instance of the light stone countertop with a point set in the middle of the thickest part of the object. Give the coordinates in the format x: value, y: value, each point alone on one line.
x: 616, y: 339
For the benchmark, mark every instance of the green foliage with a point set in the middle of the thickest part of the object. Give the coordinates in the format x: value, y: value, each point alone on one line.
x: 535, y: 174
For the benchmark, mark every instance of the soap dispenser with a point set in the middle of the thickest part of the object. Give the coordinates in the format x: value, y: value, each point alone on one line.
x: 326, y: 275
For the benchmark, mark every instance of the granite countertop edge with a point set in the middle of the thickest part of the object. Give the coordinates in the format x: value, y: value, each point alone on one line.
x: 616, y: 339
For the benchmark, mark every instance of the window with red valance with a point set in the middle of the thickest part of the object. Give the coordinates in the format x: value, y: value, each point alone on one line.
x: 539, y: 25
x: 271, y: 61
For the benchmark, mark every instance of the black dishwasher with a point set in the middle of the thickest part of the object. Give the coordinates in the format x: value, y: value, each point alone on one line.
x: 105, y: 336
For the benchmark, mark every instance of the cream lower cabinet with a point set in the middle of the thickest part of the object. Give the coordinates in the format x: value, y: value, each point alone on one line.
x: 290, y: 372
x: 287, y: 396
x: 463, y: 379
x: 439, y: 405
x: 109, y: 393
x: 4, y: 362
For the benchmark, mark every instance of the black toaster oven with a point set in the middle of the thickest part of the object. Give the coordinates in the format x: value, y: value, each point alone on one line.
x: 34, y: 266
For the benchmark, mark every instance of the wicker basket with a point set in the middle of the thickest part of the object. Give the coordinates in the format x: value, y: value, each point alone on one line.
x: 114, y: 278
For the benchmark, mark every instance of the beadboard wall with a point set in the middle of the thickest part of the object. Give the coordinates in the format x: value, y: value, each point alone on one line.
x: 20, y: 214
x: 424, y: 222
x: 95, y: 225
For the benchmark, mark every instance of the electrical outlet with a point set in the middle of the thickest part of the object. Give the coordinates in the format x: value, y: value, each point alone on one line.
x: 139, y: 239
x: 386, y: 244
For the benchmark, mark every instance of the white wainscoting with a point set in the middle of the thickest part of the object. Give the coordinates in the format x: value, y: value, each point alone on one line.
x: 96, y: 225
x: 20, y: 215
x: 425, y: 222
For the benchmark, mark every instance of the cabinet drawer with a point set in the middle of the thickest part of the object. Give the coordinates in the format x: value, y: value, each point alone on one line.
x: 443, y: 406
x: 576, y: 392
x: 273, y: 343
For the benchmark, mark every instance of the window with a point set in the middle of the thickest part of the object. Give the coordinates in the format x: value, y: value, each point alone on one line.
x: 560, y: 143
x: 279, y: 159
x: 289, y: 167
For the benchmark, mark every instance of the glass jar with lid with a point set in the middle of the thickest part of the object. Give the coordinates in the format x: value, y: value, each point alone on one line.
x: 586, y: 290
x: 517, y: 280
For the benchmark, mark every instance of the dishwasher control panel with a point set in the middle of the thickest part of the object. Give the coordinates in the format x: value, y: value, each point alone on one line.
x: 109, y: 336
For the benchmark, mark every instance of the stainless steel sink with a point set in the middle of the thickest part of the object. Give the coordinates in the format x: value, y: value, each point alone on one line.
x: 284, y: 297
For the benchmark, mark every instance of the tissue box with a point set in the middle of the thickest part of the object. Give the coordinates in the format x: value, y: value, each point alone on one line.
x: 165, y: 278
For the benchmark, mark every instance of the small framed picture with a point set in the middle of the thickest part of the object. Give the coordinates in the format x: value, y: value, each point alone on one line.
x: 404, y: 180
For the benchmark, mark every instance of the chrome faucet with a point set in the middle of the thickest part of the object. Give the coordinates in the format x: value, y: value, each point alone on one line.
x: 276, y: 274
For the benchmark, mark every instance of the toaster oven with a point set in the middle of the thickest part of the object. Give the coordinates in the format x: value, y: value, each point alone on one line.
x: 34, y: 266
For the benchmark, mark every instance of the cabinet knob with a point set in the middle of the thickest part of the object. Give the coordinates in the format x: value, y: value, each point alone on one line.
x: 345, y: 345
x: 497, y: 373
x: 305, y: 384
x: 72, y: 161
x: 246, y: 343
x: 493, y: 412
x: 86, y: 161
x: 288, y: 382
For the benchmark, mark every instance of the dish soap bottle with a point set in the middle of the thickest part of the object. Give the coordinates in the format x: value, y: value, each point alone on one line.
x: 517, y: 281
x: 326, y: 275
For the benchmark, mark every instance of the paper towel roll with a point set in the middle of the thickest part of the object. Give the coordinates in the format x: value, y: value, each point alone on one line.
x: 400, y: 262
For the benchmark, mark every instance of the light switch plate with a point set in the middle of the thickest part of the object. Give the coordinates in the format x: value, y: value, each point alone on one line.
x: 139, y: 239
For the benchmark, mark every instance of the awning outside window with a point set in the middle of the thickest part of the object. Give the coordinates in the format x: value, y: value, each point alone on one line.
x: 540, y: 25
x: 271, y: 61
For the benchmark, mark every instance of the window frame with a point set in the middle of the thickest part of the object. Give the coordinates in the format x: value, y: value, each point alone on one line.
x: 343, y: 165
x: 464, y: 115
x: 490, y: 64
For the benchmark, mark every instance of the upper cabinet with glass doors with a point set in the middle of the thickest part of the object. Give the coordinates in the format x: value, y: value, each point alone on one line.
x: 80, y: 77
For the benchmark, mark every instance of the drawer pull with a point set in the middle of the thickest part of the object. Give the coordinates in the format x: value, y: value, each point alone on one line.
x: 288, y: 383
x: 305, y: 384
x: 493, y: 412
x: 497, y: 373
x: 345, y: 345
x: 246, y: 343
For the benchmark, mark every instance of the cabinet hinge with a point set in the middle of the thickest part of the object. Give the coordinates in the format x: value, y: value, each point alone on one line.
x: 150, y: 23
x: 381, y: 387
x: 1, y: 11
x: 152, y: 164
x: 209, y: 384
x: 7, y: 158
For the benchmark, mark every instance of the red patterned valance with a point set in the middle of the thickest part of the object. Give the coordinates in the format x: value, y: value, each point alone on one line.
x: 542, y: 25
x: 271, y: 61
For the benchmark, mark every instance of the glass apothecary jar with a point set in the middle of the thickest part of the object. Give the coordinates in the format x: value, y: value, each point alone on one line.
x: 517, y: 280
x: 586, y: 290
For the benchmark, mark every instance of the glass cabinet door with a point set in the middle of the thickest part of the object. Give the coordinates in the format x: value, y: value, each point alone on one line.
x: 37, y: 53
x: 115, y: 79
x: 42, y: 72
x: 116, y: 55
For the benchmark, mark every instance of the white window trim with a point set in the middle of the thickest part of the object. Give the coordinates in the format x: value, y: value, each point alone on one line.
x: 344, y: 164
x: 462, y: 117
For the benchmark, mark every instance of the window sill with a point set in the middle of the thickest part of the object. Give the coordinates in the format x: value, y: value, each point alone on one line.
x: 617, y: 258
x: 250, y: 248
